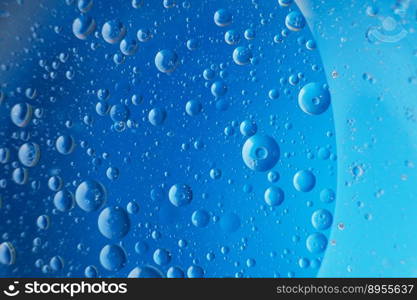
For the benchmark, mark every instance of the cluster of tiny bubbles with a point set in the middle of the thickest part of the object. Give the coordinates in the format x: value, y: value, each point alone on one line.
x: 314, y: 98
x: 116, y: 220
x: 260, y: 153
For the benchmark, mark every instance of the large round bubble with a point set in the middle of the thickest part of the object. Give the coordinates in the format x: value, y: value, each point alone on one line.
x: 21, y: 114
x: 113, y: 31
x: 83, y: 26
x: 112, y: 257
x: 113, y: 222
x: 90, y: 195
x: 304, y: 181
x: 260, y: 153
x: 180, y: 195
x: 29, y: 154
x: 314, y: 99
x: 274, y: 196
x: 166, y: 61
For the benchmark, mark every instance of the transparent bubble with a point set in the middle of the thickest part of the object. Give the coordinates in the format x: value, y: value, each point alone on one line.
x: 29, y: 154
x: 157, y: 116
x: 7, y: 254
x: 64, y: 200
x: 232, y: 37
x: 218, y: 88
x: 56, y: 263
x: 304, y: 181
x: 20, y: 176
x: 248, y: 128
x: 21, y: 114
x: 175, y: 272
x: 242, y: 55
x: 144, y: 35
x: 43, y: 222
x: 295, y: 21
x: 84, y: 5
x: 113, y: 222
x: 161, y: 257
x: 166, y: 61
x: 91, y: 272
x: 222, y: 17
x: 195, y: 272
x: 83, y: 26
x: 193, y: 107
x: 274, y: 196
x: 112, y: 257
x: 55, y: 183
x: 260, y: 153
x: 314, y: 99
x: 145, y: 272
x: 90, y: 195
x: 321, y: 219
x: 327, y: 195
x: 200, y: 218
x: 316, y: 243
x: 129, y: 46
x: 180, y: 195
x: 113, y: 31
x: 65, y: 144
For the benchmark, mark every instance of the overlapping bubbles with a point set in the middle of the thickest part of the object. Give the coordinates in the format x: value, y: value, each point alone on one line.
x: 264, y: 155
